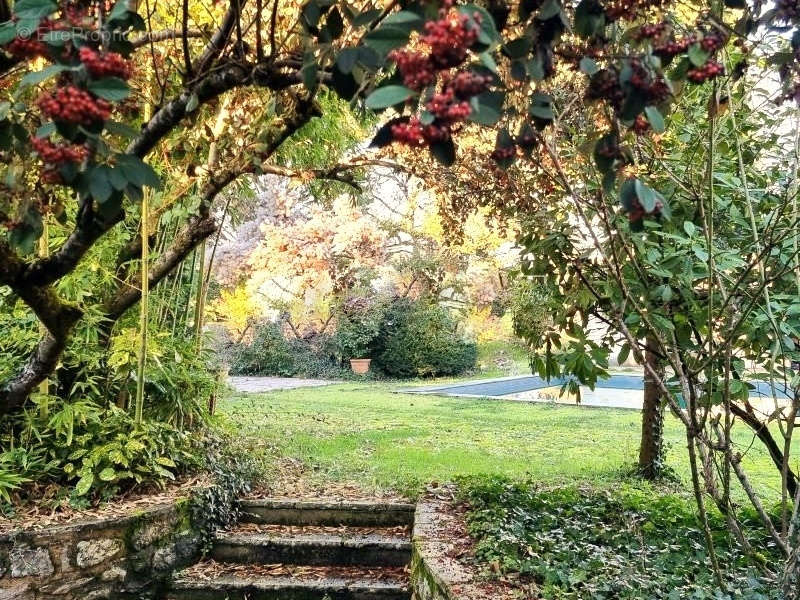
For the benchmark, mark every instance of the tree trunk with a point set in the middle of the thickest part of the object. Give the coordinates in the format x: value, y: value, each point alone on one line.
x: 652, y: 442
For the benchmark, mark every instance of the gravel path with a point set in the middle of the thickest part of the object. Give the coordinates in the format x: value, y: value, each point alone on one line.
x: 258, y: 385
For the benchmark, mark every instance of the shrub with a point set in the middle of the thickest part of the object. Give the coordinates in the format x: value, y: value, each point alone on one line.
x: 530, y: 307
x: 268, y: 354
x: 93, y: 452
x: 358, y: 323
x: 421, y: 339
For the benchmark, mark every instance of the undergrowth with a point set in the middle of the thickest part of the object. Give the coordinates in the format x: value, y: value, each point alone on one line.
x: 629, y: 543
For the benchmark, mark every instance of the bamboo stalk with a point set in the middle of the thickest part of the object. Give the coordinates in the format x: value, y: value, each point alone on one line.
x: 145, y: 279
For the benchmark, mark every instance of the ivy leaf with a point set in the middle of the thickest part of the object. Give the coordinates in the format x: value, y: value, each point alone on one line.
x: 655, y: 119
x: 387, y: 96
x: 487, y: 108
x: 444, y: 152
x: 112, y: 89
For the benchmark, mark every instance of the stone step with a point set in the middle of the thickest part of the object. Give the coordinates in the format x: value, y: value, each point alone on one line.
x: 289, y: 511
x: 312, y: 549
x: 243, y: 587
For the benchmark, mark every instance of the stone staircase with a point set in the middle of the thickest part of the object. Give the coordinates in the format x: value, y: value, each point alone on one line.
x: 301, y: 550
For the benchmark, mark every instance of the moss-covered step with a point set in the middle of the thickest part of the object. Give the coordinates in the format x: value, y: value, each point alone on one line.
x: 332, y: 587
x: 312, y: 549
x: 283, y: 511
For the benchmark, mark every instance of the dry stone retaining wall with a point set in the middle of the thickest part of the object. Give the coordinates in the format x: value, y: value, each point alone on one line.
x: 112, y: 558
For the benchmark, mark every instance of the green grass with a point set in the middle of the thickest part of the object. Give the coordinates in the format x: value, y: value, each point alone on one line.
x: 385, y: 441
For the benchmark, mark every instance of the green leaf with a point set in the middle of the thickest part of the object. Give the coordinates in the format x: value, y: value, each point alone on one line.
x: 387, y: 96
x: 84, y: 484
x: 112, y: 89
x: 444, y: 152
x: 541, y: 107
x: 655, y: 119
x: 647, y: 197
x: 488, y: 34
x: 623, y: 353
x: 384, y: 39
x: 347, y: 59
x: 137, y: 172
x: 34, y: 9
x: 366, y: 17
x: 99, y: 185
x: 487, y: 108
x: 689, y: 228
x: 107, y: 474
x: 404, y: 19
x: 590, y: 19
x: 518, y: 48
x: 192, y: 103
x: 487, y: 60
x: 549, y: 9
x: 40, y: 76
x: 309, y: 71
x: 588, y: 66
x: 121, y: 129
x: 697, y: 55
x: 46, y: 130
x: 8, y: 31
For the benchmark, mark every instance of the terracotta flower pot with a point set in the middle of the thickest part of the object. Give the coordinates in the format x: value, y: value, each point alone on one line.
x: 360, y: 366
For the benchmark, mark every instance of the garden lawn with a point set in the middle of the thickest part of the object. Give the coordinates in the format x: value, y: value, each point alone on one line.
x: 364, y: 433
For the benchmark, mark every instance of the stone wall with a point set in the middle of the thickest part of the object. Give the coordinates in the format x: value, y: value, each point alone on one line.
x: 115, y: 558
x: 435, y: 575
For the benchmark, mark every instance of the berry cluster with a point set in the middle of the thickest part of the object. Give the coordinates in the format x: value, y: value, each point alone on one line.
x: 501, y: 154
x: 31, y: 46
x: 628, y: 9
x: 787, y: 10
x: 57, y: 154
x: 709, y: 70
x: 447, y: 108
x: 654, y: 86
x: 449, y: 38
x: 417, y: 69
x: 671, y: 48
x: 467, y: 84
x: 640, y: 125
x: 604, y: 85
x: 711, y: 42
x: 651, y: 32
x: 106, y: 64
x: 70, y: 104
x: 637, y: 211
